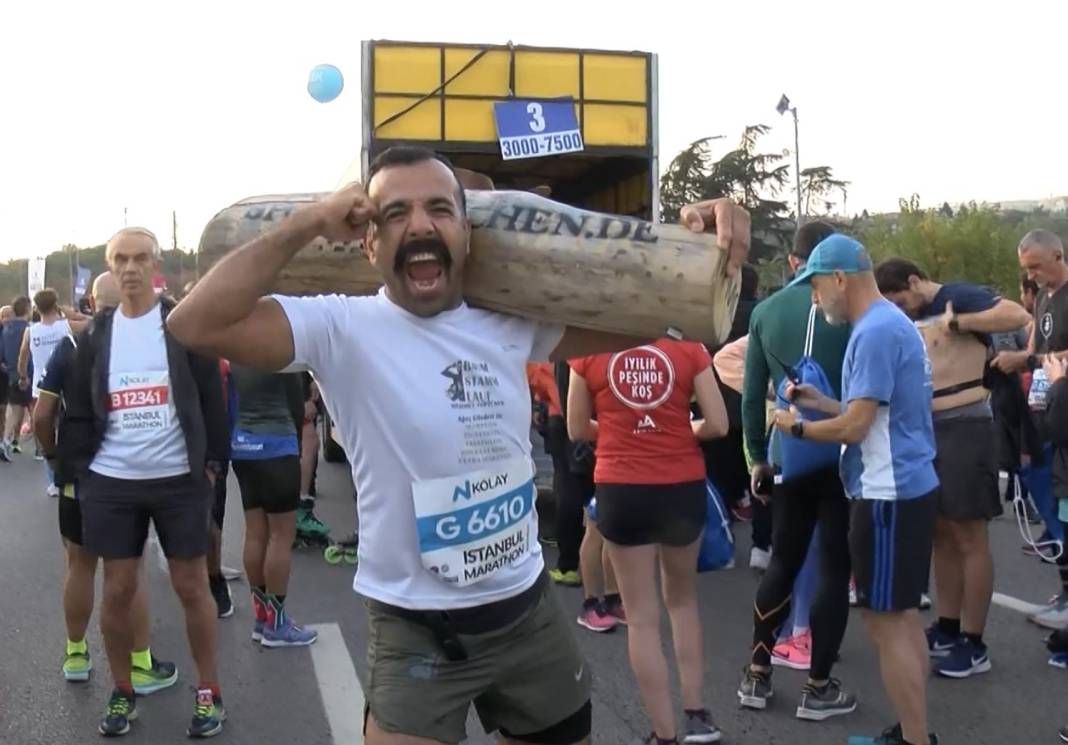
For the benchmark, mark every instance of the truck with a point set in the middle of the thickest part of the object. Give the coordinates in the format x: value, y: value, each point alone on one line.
x: 443, y: 96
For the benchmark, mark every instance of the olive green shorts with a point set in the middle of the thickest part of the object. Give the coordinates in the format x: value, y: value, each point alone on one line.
x: 522, y: 679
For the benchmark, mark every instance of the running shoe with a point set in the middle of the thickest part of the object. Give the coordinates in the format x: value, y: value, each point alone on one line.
x: 759, y: 559
x: 755, y: 689
x: 52, y: 491
x: 818, y: 704
x: 939, y: 643
x: 259, y: 611
x: 964, y: 660
x: 149, y: 680
x: 284, y: 633
x: 615, y: 609
x: 14, y: 447
x: 208, y: 715
x: 1057, y: 642
x: 743, y: 511
x: 925, y: 601
x: 700, y: 728
x: 1053, y: 616
x: 122, y: 709
x: 567, y: 579
x: 37, y: 454
x: 76, y: 662
x: 794, y: 653
x: 595, y: 618
x: 5, y: 452
x: 1064, y: 734
x: 890, y: 736
x: 224, y: 604
x: 1058, y: 660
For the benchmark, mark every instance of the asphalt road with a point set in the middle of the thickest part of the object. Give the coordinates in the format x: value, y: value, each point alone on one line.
x: 292, y: 696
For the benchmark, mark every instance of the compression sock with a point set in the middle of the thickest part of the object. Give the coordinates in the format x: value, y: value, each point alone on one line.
x: 141, y: 659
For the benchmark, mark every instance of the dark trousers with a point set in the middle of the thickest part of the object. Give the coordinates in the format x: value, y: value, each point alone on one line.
x: 572, y: 492
x: 761, y: 525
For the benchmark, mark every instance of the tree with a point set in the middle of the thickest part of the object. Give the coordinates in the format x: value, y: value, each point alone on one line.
x: 818, y: 183
x: 752, y: 178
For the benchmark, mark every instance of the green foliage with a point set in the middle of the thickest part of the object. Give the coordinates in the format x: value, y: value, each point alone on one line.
x: 753, y: 179
x: 977, y: 243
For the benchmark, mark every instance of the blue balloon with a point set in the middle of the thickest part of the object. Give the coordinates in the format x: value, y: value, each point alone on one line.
x: 325, y: 83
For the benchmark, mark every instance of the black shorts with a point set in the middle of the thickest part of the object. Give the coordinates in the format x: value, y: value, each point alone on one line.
x: 890, y: 546
x: 271, y: 484
x: 17, y: 396
x: 218, y: 506
x: 4, y: 386
x: 70, y: 515
x: 641, y: 514
x: 967, y: 466
x: 115, y: 515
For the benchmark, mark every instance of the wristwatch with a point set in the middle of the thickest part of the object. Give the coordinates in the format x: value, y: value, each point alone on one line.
x: 797, y: 429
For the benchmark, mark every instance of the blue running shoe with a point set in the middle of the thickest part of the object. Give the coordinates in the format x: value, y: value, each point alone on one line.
x: 964, y: 660
x: 122, y: 709
x: 285, y: 633
x: 208, y: 715
x: 149, y: 680
x: 1058, y: 660
x: 939, y: 644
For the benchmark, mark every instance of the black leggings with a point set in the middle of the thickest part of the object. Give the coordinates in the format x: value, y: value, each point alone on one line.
x: 797, y: 506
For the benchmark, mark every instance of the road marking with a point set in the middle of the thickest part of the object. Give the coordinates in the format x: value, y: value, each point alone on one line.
x: 338, y: 685
x: 1020, y: 606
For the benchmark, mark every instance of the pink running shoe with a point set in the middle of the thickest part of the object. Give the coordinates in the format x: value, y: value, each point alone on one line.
x: 794, y: 653
x: 617, y: 611
x: 595, y: 618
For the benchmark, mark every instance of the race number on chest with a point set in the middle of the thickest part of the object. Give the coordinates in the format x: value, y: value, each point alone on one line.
x: 139, y: 401
x: 471, y: 527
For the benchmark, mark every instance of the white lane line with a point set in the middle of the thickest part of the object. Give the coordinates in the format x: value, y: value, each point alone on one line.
x: 338, y: 685
x: 1020, y: 606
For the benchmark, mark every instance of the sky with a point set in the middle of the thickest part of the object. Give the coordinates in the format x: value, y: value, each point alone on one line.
x: 190, y: 106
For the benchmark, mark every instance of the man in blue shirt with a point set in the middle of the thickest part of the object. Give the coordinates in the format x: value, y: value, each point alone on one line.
x: 18, y: 392
x: 956, y: 320
x: 887, y: 467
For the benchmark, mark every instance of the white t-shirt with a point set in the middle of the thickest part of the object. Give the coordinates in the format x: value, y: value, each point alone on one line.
x: 144, y: 439
x: 44, y: 338
x: 434, y: 414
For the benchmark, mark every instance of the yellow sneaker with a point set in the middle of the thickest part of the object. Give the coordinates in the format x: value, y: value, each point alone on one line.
x: 568, y: 579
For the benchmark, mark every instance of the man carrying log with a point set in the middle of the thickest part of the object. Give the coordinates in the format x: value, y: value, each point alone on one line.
x: 431, y: 399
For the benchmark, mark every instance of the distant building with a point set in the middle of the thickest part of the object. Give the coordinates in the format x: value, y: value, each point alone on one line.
x: 1050, y: 204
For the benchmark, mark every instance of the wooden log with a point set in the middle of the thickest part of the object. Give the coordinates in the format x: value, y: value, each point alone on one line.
x: 531, y: 257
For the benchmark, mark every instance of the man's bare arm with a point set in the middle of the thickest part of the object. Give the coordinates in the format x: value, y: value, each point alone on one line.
x: 24, y: 354
x: 227, y: 315
x: 1004, y: 316
x: 44, y: 422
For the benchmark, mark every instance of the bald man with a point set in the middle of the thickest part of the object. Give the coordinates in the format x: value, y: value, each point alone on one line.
x: 148, y: 674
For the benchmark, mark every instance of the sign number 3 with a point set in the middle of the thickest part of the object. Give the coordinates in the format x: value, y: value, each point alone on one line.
x: 537, y: 115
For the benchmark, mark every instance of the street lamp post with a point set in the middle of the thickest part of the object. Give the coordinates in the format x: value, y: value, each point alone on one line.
x: 782, y: 107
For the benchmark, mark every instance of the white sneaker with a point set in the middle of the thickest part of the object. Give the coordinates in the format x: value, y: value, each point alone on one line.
x: 52, y: 490
x: 759, y: 559
x: 1054, y: 616
x: 5, y: 451
x: 925, y: 601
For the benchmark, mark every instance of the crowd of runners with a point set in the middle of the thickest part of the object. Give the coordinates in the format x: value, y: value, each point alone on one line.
x: 868, y: 421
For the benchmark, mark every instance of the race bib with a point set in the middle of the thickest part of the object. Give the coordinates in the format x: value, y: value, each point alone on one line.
x: 1036, y: 397
x: 471, y: 527
x: 139, y: 401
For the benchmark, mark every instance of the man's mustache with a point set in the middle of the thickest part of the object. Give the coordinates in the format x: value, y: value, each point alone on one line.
x: 422, y: 245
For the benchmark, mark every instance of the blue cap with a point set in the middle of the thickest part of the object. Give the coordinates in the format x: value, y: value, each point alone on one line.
x: 835, y: 253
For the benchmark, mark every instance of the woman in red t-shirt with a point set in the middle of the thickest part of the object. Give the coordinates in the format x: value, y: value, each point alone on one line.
x: 650, y: 478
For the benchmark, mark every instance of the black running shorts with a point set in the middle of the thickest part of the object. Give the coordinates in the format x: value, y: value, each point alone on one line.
x: 70, y: 515
x: 271, y: 484
x: 967, y: 466
x: 4, y: 387
x: 17, y: 396
x: 116, y: 512
x: 890, y: 546
x: 642, y: 514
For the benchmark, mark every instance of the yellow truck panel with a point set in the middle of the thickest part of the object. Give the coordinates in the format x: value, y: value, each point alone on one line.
x: 442, y: 95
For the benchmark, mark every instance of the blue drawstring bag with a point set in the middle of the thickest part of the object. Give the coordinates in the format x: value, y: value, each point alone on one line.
x: 798, y: 456
x: 717, y: 543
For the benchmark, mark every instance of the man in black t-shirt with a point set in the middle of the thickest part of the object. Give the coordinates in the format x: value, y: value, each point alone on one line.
x: 1041, y: 255
x: 956, y: 320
